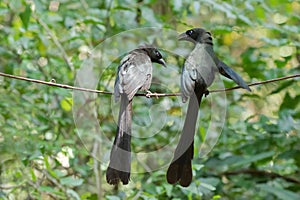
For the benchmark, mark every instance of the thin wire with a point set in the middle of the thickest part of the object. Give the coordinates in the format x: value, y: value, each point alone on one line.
x: 54, y: 84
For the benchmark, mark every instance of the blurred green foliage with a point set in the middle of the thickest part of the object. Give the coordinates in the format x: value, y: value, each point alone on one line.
x: 41, y: 154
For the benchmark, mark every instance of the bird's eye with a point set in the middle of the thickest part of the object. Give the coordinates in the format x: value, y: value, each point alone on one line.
x: 157, y: 53
x: 189, y: 32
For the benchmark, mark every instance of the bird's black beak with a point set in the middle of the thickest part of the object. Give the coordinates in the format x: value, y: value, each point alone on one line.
x: 162, y: 62
x: 183, y: 36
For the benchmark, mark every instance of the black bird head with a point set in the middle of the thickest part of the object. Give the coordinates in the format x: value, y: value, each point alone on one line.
x: 197, y: 35
x: 154, y: 54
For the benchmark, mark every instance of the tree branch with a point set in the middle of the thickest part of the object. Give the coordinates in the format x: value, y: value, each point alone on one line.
x: 54, y: 84
x: 258, y: 83
x: 97, y: 169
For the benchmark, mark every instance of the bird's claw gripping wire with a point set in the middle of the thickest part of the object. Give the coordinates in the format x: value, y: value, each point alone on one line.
x: 150, y: 94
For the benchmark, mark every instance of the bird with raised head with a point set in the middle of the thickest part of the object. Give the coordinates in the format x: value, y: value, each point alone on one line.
x: 197, y: 75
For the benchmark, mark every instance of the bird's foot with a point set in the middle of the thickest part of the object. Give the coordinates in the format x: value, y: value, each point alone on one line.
x: 150, y: 94
x: 206, y: 93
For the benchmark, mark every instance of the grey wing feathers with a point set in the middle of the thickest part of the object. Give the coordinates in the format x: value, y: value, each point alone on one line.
x: 132, y: 75
x: 229, y: 73
x: 188, y: 79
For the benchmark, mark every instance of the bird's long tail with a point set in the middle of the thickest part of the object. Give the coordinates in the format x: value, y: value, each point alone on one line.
x: 120, y: 156
x: 181, y: 166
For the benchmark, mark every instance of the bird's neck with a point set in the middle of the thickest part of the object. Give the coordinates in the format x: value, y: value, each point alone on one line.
x: 207, y: 41
x: 207, y: 46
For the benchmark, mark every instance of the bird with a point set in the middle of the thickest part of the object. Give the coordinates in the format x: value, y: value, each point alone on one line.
x: 198, y: 74
x: 134, y: 74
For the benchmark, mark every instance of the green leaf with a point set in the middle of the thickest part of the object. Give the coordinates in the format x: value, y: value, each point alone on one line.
x: 73, y: 194
x: 110, y: 197
x: 283, y: 86
x: 50, y: 190
x: 59, y: 173
x: 66, y: 104
x: 48, y: 167
x: 47, y: 189
x: 260, y: 13
x: 33, y: 176
x: 168, y: 189
x: 245, y: 19
x: 279, y: 192
x: 254, y: 158
x: 280, y: 63
x: 25, y: 16
x: 290, y: 102
x: 71, y: 181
